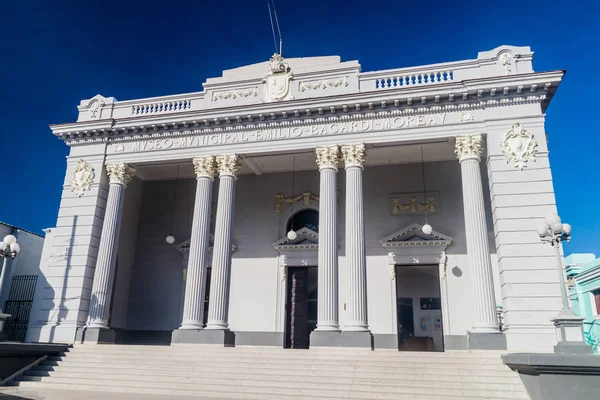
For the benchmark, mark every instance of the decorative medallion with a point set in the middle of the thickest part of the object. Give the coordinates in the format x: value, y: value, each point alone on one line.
x: 228, y: 164
x: 519, y: 146
x: 119, y: 148
x: 354, y: 154
x: 94, y: 106
x: 120, y: 173
x: 278, y: 81
x: 83, y: 176
x: 205, y: 166
x: 328, y: 156
x: 469, y: 146
x: 466, y: 116
x: 506, y: 60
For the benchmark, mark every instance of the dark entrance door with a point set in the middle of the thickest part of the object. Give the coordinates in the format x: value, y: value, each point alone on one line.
x: 301, y: 306
x: 18, y: 306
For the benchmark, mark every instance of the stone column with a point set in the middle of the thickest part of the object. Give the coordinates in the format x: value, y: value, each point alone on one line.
x: 468, y: 149
x: 193, y: 307
x: 120, y: 175
x: 354, y: 157
x: 327, y: 314
x: 228, y: 166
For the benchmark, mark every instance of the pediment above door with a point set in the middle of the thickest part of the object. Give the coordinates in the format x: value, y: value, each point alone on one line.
x: 306, y: 239
x: 413, y: 236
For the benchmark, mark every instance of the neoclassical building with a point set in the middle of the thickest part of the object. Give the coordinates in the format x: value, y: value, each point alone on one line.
x: 302, y: 202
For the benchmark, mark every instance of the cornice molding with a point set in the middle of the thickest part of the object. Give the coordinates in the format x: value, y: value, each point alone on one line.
x: 121, y: 135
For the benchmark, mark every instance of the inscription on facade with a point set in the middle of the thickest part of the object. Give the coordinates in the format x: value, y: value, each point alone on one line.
x: 197, y: 137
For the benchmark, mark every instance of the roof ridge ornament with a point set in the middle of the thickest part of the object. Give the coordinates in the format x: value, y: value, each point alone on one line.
x: 278, y: 80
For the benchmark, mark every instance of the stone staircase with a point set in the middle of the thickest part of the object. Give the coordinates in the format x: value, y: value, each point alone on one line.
x: 274, y: 373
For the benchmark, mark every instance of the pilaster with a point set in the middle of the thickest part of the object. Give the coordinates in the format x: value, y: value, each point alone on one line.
x: 522, y: 194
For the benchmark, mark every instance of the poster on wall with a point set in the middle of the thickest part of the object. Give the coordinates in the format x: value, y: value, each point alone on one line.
x: 424, y: 324
x: 438, y: 324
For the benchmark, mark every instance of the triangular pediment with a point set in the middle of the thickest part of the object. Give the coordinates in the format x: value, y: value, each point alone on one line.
x: 413, y: 235
x: 184, y: 246
x: 305, y: 239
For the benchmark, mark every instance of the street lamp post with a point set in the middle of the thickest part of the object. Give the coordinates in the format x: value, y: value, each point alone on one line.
x: 9, y: 248
x: 569, y: 326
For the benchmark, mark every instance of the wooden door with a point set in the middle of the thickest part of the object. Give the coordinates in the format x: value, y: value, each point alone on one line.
x: 297, y: 330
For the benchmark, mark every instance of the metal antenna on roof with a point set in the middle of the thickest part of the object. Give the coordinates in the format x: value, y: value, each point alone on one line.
x: 271, y: 14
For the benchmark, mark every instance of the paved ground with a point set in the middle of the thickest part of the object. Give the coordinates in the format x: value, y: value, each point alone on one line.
x: 15, y: 393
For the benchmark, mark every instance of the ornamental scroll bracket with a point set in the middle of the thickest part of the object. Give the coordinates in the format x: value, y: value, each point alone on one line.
x: 414, y: 206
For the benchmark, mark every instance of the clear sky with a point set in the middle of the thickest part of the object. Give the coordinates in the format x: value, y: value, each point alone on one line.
x: 55, y: 53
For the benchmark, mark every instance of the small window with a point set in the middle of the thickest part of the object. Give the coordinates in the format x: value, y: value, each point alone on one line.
x: 430, y: 303
x: 307, y: 218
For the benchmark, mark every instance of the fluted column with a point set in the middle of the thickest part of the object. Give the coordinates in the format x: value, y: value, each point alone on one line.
x: 327, y: 314
x: 218, y: 304
x: 120, y: 175
x: 195, y: 286
x: 468, y: 149
x: 354, y: 157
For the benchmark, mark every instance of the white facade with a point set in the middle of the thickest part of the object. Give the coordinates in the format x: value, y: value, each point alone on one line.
x: 468, y: 134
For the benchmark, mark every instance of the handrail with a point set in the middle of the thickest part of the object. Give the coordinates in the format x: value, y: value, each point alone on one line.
x: 592, y: 336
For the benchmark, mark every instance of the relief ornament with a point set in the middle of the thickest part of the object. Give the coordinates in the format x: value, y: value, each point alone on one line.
x: 519, y: 146
x: 278, y: 81
x: 83, y: 176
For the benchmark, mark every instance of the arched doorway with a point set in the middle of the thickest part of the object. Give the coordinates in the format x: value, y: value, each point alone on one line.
x: 301, y: 308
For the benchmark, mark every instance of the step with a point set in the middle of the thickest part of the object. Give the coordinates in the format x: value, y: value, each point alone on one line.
x: 99, y: 358
x: 221, y: 394
x: 313, y: 352
x: 269, y: 388
x: 284, y: 358
x: 270, y: 369
x: 94, y: 370
x: 428, y: 381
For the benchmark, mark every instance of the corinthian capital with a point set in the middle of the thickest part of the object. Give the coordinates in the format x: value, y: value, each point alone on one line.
x: 354, y: 154
x: 328, y: 156
x: 468, y: 146
x: 228, y: 164
x: 120, y: 173
x: 205, y: 167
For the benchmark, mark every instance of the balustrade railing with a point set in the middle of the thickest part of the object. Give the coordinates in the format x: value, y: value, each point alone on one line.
x: 425, y: 78
x: 161, y: 107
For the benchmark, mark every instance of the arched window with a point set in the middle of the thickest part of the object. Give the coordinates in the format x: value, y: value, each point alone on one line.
x: 307, y: 218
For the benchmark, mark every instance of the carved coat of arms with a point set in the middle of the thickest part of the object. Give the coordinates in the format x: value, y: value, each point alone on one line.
x: 278, y: 81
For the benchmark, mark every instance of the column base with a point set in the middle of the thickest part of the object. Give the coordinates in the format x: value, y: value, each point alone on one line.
x: 99, y: 335
x: 220, y: 337
x: 486, y: 341
x: 573, y: 348
x: 341, y: 339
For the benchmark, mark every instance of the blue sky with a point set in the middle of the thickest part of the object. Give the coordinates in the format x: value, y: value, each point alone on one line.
x: 56, y: 53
